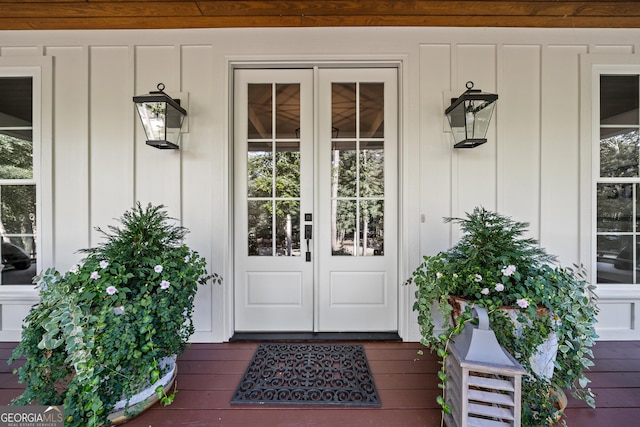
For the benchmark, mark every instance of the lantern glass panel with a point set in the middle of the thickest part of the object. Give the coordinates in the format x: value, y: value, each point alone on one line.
x: 174, y: 123
x: 153, y: 116
x: 456, y: 121
x: 479, y: 114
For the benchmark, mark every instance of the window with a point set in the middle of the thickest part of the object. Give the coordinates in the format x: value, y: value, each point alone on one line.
x: 18, y: 186
x: 617, y: 189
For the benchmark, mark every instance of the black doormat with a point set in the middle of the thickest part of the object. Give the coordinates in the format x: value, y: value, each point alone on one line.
x: 308, y: 374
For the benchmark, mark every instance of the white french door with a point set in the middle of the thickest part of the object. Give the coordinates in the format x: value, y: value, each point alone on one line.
x: 315, y: 199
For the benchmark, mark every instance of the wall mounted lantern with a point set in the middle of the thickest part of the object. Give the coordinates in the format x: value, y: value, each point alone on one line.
x: 469, y: 116
x: 484, y: 382
x: 162, y: 118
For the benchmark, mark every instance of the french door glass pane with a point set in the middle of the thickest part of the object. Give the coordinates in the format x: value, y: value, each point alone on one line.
x: 288, y: 228
x: 343, y: 178
x: 288, y: 169
x: 344, y: 225
x: 260, y: 227
x: 260, y: 110
x: 287, y: 111
x: 372, y: 110
x: 343, y: 110
x: 357, y: 179
x: 259, y: 169
x: 371, y: 171
x: 273, y: 169
x: 371, y: 228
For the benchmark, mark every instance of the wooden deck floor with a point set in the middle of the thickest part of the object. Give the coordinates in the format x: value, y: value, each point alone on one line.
x: 208, y: 375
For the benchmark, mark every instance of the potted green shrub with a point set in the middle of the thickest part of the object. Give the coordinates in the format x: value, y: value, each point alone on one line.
x: 530, y: 299
x: 113, y: 325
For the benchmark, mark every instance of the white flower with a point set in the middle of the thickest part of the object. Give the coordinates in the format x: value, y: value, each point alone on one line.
x: 164, y: 284
x: 111, y: 290
x: 438, y: 275
x: 522, y: 303
x: 478, y: 278
x: 499, y: 287
x: 157, y: 269
x: 95, y: 275
x: 508, y: 270
x: 455, y: 275
x: 485, y: 291
x: 104, y: 264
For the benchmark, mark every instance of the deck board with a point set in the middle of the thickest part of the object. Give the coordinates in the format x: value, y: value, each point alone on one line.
x: 208, y: 375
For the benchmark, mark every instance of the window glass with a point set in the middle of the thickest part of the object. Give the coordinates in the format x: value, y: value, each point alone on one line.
x: 617, y: 192
x: 619, y: 152
x: 18, y: 226
x: 619, y: 100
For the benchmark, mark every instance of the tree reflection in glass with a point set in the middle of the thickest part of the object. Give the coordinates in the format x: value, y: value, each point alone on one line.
x: 273, y: 170
x: 357, y: 179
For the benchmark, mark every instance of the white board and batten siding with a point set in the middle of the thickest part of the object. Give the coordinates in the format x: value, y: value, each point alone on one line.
x: 534, y: 166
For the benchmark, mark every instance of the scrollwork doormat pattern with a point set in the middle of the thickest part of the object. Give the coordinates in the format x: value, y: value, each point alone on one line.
x: 308, y: 374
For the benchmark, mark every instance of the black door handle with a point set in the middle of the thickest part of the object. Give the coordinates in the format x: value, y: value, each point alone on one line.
x: 308, y: 231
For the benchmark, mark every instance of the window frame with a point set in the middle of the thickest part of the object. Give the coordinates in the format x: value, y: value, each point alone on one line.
x: 40, y: 70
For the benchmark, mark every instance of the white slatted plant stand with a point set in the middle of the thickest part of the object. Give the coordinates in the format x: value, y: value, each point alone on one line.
x: 486, y: 390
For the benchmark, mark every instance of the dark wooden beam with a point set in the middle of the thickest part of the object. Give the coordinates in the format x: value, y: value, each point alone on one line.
x: 121, y: 14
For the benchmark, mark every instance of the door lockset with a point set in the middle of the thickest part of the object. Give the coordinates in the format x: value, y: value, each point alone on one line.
x: 308, y: 231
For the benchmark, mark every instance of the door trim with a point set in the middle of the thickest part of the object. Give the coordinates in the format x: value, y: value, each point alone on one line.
x: 407, y: 326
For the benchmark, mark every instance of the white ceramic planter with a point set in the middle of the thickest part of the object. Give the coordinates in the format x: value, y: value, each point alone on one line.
x: 147, y: 397
x: 542, y: 361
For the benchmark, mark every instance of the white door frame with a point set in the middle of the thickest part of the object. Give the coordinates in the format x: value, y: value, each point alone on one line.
x: 405, y: 293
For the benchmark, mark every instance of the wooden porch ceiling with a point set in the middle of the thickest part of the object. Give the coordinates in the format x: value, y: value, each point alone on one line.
x: 165, y: 14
